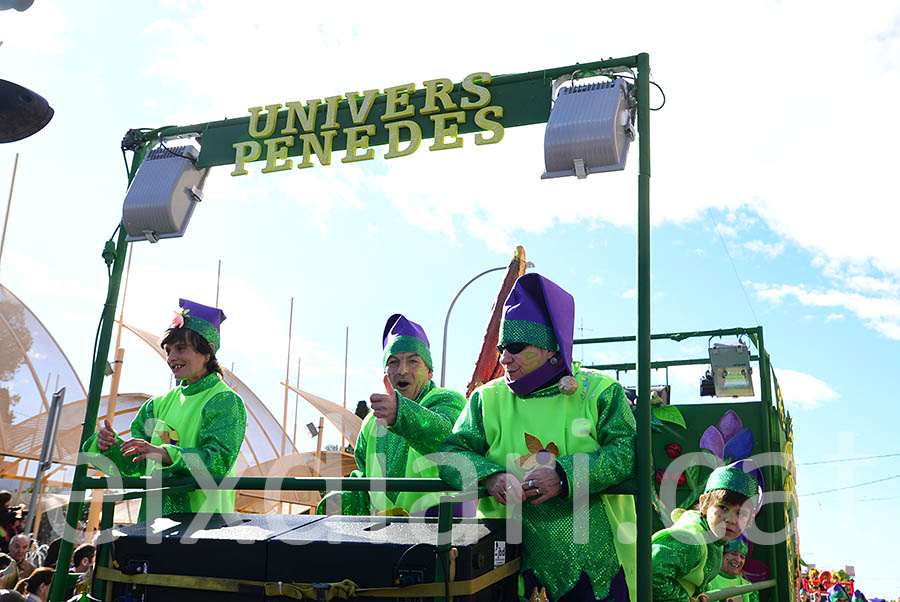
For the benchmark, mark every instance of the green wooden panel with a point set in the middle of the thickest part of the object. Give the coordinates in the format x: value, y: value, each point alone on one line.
x: 698, y: 417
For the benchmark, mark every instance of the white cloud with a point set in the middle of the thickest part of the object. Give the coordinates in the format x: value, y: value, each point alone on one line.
x: 598, y: 280
x: 372, y: 230
x: 726, y: 231
x: 834, y: 317
x: 748, y: 178
x: 770, y: 250
x: 803, y: 391
x: 878, y: 313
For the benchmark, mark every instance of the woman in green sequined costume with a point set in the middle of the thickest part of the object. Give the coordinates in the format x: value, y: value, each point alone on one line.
x: 196, y: 428
x: 688, y: 555
x: 407, y: 422
x: 546, y: 439
x: 734, y: 555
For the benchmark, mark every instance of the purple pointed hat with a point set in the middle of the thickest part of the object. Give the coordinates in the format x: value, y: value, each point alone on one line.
x: 540, y: 313
x: 404, y: 336
x: 202, y: 319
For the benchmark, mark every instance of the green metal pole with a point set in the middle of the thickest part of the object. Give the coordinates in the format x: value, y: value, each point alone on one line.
x: 98, y: 372
x: 768, y: 473
x: 643, y: 506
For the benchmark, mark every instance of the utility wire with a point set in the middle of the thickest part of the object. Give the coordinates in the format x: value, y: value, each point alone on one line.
x: 746, y: 296
x: 846, y: 460
x: 879, y: 499
x: 850, y: 486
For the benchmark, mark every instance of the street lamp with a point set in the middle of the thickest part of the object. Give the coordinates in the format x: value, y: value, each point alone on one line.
x: 452, y: 303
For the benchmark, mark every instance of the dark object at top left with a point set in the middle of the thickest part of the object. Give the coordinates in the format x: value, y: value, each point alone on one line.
x: 22, y: 112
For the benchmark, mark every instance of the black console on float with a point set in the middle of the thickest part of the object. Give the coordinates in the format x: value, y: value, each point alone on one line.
x: 370, y: 551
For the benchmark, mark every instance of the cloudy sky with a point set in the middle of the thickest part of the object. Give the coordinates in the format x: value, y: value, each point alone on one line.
x: 774, y: 202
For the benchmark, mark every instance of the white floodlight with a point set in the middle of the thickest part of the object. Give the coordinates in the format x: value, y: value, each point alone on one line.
x: 160, y: 201
x: 589, y: 130
x: 731, y: 370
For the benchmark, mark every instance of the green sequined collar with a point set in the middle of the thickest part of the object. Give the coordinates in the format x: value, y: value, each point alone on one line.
x: 425, y: 390
x: 201, y: 385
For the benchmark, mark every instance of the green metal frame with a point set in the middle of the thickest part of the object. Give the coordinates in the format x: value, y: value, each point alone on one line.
x: 773, y: 432
x: 526, y: 100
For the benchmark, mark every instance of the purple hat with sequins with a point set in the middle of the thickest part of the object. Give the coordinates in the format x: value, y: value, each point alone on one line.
x: 404, y: 336
x: 202, y: 319
x: 540, y: 313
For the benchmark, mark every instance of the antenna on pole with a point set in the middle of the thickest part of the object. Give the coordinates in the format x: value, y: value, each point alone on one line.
x: 346, y: 351
x: 581, y: 330
x: 287, y: 378
x: 296, y: 402
x: 8, y: 204
x: 218, y: 281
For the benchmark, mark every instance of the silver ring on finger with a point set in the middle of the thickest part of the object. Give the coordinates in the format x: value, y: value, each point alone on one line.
x: 531, y: 484
x: 538, y: 490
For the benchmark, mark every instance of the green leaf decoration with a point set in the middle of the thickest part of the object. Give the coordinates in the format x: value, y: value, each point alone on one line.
x: 692, y: 474
x: 670, y: 414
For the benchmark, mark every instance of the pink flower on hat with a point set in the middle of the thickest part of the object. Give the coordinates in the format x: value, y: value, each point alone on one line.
x: 178, y: 320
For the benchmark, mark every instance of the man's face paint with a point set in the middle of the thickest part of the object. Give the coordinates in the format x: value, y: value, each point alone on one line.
x: 408, y: 374
x: 526, y: 361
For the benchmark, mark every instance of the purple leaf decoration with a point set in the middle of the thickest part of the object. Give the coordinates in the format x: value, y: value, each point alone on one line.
x: 752, y: 468
x: 729, y: 425
x: 712, y: 440
x: 740, y: 445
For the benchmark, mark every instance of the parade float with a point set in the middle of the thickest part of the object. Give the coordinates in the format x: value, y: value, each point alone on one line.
x: 593, y: 113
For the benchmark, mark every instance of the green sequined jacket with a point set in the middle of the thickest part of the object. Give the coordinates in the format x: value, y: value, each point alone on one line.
x: 422, y: 424
x: 723, y: 580
x: 560, y: 422
x: 676, y: 563
x: 198, y: 424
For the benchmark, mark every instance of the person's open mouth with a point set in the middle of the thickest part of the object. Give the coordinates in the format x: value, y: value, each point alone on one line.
x: 402, y: 384
x: 176, y: 367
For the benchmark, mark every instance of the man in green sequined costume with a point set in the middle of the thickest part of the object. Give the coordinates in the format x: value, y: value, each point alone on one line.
x: 407, y: 422
x: 195, y: 429
x: 688, y: 555
x: 545, y: 441
x: 734, y: 554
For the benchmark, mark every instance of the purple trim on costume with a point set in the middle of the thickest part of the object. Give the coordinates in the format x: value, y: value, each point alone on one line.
x: 537, y: 299
x: 533, y: 381
x: 583, y: 590
x: 398, y: 326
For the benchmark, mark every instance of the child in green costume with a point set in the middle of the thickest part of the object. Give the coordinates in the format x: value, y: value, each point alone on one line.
x: 197, y: 426
x: 688, y: 555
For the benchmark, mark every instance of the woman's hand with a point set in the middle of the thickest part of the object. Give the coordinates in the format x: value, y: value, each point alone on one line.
x: 143, y: 450
x: 504, y: 487
x: 106, y: 436
x: 542, y: 484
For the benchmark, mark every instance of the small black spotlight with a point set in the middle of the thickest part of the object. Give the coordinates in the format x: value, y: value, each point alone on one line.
x: 362, y: 409
x: 707, y: 386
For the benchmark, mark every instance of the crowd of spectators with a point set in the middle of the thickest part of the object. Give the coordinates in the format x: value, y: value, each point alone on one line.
x: 26, y: 569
